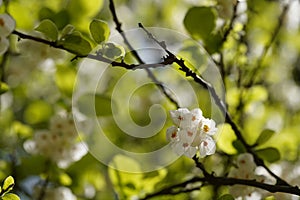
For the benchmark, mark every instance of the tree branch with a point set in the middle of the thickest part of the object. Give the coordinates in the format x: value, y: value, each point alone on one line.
x: 189, y: 73
x: 220, y: 181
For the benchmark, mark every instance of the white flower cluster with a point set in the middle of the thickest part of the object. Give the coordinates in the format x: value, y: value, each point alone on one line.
x: 59, y: 143
x: 246, y: 170
x: 7, y: 25
x: 58, y: 193
x: 192, y: 132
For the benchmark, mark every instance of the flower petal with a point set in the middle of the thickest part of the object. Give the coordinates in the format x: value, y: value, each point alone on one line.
x: 207, y: 147
x: 7, y: 24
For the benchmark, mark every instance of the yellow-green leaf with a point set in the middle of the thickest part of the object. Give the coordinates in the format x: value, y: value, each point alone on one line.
x: 226, y: 197
x: 200, y: 21
x: 269, y: 154
x: 3, y: 88
x: 99, y: 30
x: 38, y: 112
x: 76, y: 44
x: 10, y: 196
x: 49, y: 29
x: 8, y: 184
x: 67, y: 30
x: 264, y: 136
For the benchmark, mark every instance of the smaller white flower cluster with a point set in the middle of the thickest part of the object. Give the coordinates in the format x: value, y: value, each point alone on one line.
x: 59, y: 143
x: 245, y: 169
x: 58, y: 193
x: 192, y: 132
x: 7, y: 25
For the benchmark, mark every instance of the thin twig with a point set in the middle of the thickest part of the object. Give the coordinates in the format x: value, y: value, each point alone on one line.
x: 158, y: 83
x: 267, y: 47
x: 232, y: 20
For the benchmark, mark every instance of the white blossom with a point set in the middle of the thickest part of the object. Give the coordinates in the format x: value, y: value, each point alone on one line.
x: 192, y: 132
x: 59, y: 144
x: 7, y: 24
x: 245, y: 169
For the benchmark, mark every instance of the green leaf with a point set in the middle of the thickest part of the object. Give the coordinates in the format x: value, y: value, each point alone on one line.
x: 264, y: 136
x: 269, y: 154
x: 8, y: 184
x: 61, y: 18
x: 67, y: 30
x: 76, y: 44
x: 3, y: 88
x: 95, y: 104
x: 200, y: 21
x: 49, y: 29
x: 99, y: 30
x: 10, y: 196
x: 213, y: 43
x: 226, y: 197
x: 238, y: 145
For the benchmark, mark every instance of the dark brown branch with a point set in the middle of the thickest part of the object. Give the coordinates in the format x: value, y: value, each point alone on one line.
x: 220, y: 181
x: 98, y: 57
x: 158, y: 83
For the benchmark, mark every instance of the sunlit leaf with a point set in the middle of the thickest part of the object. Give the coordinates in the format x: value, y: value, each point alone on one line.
x: 99, y: 30
x: 225, y: 139
x: 94, y: 104
x: 10, y: 196
x: 37, y: 112
x: 3, y: 88
x: 264, y: 136
x: 49, y: 29
x: 65, y: 78
x: 8, y: 184
x: 269, y: 154
x: 65, y: 179
x: 76, y: 44
x: 226, y: 197
x: 200, y: 21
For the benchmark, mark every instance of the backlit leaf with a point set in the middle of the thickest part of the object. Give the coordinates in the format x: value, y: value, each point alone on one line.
x: 10, y: 196
x: 99, y: 30
x: 264, y: 136
x: 226, y: 197
x: 49, y: 29
x: 3, y: 88
x: 200, y: 21
x: 76, y: 44
x: 269, y: 154
x: 8, y: 184
x: 37, y: 112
